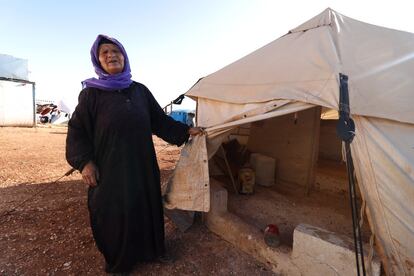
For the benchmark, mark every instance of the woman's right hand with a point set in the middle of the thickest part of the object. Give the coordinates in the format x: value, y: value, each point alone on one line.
x: 194, y: 131
x: 90, y: 174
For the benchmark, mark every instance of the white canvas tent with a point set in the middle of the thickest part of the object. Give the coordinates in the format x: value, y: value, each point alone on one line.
x: 300, y: 71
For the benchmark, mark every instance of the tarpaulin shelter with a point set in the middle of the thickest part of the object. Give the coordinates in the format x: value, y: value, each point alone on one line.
x: 300, y: 73
x: 17, y: 93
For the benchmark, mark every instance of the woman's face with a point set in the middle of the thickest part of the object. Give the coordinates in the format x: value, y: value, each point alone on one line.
x: 111, y: 58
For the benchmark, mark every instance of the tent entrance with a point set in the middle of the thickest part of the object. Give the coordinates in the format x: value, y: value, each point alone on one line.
x: 310, y: 178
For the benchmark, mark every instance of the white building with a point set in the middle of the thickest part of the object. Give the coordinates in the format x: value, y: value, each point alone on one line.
x: 17, y: 93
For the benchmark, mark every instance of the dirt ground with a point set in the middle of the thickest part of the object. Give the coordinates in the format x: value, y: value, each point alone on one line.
x: 44, y: 225
x: 288, y: 206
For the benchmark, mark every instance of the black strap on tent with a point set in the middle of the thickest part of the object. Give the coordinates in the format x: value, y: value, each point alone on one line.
x: 179, y: 99
x: 346, y: 131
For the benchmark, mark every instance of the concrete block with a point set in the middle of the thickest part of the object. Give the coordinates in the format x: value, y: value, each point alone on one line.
x: 218, y: 197
x: 250, y: 240
x: 244, y: 236
x: 319, y: 252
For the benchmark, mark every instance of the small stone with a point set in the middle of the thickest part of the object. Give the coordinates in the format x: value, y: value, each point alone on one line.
x: 67, y: 264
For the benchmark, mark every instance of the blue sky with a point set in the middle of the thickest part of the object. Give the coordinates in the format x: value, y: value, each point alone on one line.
x: 170, y: 44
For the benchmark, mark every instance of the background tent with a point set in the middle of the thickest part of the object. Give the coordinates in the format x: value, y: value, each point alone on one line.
x: 301, y: 70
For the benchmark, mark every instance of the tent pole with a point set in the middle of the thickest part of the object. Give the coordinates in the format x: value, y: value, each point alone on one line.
x: 346, y: 131
x: 34, y: 103
x: 196, y: 116
x: 233, y: 182
x: 310, y: 182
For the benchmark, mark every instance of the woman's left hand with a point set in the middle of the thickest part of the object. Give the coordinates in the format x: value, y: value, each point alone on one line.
x: 194, y: 131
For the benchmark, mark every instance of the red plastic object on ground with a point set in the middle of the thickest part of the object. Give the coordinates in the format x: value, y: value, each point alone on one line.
x: 272, y: 235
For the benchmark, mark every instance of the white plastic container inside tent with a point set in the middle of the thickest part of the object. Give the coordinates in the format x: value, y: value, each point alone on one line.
x: 17, y: 93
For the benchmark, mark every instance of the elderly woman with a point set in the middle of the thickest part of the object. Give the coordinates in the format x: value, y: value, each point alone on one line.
x: 109, y: 141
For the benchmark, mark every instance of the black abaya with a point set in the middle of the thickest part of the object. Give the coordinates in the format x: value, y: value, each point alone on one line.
x: 114, y: 129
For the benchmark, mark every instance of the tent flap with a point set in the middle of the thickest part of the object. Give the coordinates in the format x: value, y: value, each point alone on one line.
x: 189, y: 187
x: 383, y: 153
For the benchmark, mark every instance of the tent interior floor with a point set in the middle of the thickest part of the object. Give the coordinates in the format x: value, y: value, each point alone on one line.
x: 287, y: 205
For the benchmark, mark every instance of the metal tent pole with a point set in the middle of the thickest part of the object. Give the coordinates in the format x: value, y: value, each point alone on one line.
x: 346, y: 131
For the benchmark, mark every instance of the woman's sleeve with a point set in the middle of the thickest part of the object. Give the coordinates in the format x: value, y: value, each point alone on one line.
x: 79, y: 140
x: 164, y: 126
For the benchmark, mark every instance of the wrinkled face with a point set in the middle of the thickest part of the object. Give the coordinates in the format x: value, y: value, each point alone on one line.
x: 111, y: 58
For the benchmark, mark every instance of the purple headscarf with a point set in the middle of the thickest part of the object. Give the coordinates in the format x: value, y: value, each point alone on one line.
x: 107, y: 81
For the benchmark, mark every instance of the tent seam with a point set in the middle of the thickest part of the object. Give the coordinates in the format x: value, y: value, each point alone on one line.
x: 268, y: 83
